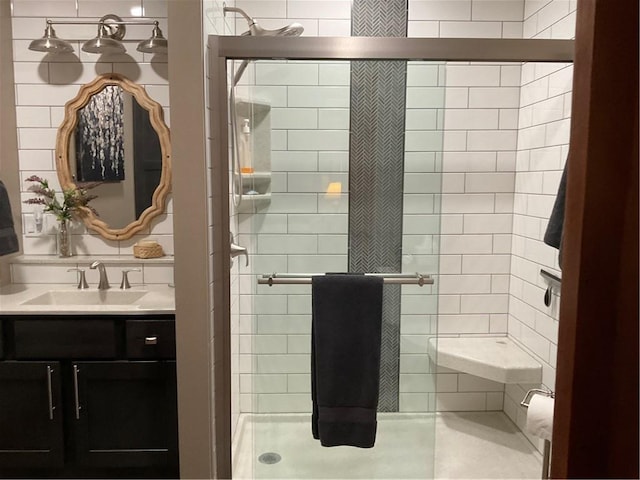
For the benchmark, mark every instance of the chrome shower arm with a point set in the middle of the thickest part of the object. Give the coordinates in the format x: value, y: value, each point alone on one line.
x: 250, y: 20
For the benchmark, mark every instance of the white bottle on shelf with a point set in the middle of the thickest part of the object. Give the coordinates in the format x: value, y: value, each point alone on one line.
x: 246, y: 148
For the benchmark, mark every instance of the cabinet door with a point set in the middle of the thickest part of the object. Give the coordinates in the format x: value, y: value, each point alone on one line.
x: 125, y: 414
x: 30, y: 415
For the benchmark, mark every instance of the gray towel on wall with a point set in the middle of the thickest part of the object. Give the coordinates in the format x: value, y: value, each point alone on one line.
x: 553, y: 234
x: 8, y: 237
x: 345, y: 358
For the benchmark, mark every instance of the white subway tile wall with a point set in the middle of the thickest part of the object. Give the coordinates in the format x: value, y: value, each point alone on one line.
x: 45, y: 83
x: 543, y: 138
x: 479, y: 160
x: 480, y: 126
x: 304, y: 229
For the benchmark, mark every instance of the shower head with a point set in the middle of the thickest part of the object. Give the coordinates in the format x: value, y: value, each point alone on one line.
x: 255, y: 30
x: 291, y: 30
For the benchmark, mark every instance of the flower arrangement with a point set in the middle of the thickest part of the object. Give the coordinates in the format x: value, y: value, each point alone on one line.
x: 72, y: 198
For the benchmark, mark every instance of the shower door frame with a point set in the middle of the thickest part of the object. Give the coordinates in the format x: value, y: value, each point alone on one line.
x: 224, y: 48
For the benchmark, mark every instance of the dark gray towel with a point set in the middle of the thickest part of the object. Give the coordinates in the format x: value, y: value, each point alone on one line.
x: 345, y: 358
x: 553, y: 234
x: 8, y: 237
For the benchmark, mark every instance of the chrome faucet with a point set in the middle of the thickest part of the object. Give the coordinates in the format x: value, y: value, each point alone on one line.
x: 104, y: 281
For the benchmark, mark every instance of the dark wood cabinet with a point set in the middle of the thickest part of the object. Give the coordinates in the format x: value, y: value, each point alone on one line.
x: 91, y: 406
x: 125, y: 414
x: 31, y: 433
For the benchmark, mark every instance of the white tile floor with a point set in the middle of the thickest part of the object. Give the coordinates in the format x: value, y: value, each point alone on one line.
x: 467, y: 445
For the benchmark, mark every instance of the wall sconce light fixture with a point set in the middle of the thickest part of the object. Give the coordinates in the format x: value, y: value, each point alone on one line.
x: 111, y: 31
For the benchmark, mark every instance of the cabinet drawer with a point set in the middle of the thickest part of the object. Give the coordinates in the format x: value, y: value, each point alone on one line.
x: 151, y: 339
x: 79, y: 338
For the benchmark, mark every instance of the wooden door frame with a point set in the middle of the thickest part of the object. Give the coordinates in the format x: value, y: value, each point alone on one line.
x: 596, y: 412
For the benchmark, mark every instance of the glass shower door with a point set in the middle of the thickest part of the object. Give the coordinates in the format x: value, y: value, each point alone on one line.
x: 338, y: 169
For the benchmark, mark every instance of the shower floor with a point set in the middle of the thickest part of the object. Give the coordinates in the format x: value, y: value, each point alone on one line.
x: 467, y: 445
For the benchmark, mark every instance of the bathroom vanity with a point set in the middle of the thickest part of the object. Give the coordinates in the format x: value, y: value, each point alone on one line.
x: 87, y: 395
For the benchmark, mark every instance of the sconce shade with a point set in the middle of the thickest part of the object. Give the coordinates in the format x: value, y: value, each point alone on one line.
x: 156, y: 44
x: 103, y: 43
x: 50, y: 43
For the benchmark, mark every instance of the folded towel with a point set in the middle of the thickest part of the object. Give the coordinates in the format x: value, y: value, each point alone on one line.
x: 8, y: 237
x: 553, y: 234
x: 345, y: 358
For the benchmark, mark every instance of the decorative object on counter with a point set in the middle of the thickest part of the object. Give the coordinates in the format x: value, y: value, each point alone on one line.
x: 147, y: 249
x: 8, y: 237
x: 63, y: 239
x: 75, y: 204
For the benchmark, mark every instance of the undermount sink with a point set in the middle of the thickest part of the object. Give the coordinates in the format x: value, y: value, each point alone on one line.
x: 86, y: 297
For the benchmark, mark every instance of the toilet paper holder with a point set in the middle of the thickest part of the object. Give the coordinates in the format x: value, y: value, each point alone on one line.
x: 546, y: 454
x: 527, y: 398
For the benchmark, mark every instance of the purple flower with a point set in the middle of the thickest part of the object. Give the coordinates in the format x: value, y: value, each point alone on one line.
x: 35, y: 201
x: 73, y: 199
x: 42, y: 191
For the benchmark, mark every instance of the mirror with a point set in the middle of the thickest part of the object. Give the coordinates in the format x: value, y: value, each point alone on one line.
x: 114, y: 134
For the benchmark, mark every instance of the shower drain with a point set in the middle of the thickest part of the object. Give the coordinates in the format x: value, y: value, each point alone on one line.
x: 269, y: 458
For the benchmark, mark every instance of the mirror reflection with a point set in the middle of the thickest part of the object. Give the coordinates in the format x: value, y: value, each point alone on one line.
x: 115, y: 144
x: 114, y: 134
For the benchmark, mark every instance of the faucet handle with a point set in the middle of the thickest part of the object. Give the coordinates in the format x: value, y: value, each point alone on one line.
x: 236, y: 250
x: 124, y: 284
x: 82, y: 283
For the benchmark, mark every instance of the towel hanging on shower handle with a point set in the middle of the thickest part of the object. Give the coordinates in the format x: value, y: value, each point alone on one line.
x: 346, y: 327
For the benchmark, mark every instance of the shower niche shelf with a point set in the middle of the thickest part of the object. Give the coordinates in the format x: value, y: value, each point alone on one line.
x: 256, y: 191
x: 495, y: 358
x: 253, y: 118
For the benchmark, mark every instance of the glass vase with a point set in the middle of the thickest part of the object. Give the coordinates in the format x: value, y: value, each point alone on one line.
x: 64, y: 239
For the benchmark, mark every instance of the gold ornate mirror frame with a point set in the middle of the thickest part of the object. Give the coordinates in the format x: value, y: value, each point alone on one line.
x: 65, y: 133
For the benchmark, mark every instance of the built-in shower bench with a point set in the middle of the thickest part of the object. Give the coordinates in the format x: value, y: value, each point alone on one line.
x: 496, y: 358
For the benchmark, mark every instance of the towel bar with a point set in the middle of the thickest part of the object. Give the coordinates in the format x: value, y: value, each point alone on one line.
x: 305, y: 278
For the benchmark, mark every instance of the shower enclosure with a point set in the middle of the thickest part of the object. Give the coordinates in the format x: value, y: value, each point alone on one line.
x: 339, y: 169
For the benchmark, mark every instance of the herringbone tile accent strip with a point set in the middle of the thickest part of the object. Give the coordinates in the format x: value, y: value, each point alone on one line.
x: 379, y: 18
x: 376, y: 167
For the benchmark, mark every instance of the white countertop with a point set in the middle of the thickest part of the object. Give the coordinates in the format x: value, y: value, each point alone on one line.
x: 158, y: 299
x: 87, y: 259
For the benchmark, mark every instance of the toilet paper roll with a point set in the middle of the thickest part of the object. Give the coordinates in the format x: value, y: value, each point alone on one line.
x: 540, y: 416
